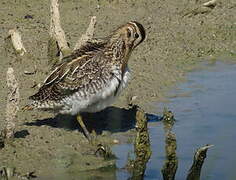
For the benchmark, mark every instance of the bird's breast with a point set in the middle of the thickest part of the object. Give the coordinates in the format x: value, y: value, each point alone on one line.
x: 99, y: 100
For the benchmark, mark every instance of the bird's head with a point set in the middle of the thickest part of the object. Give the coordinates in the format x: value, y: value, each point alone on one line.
x: 129, y: 35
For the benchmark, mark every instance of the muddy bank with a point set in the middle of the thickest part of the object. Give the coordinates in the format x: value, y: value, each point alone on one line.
x: 175, y: 43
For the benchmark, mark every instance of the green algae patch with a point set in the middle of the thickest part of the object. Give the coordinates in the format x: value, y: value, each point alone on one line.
x: 142, y: 146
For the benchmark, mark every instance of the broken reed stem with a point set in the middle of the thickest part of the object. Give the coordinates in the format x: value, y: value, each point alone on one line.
x: 56, y: 30
x: 57, y: 42
x: 198, y: 160
x: 171, y: 163
x: 201, y: 9
x: 88, y: 35
x: 142, y: 146
x: 12, y: 103
x: 16, y: 41
x: 210, y: 4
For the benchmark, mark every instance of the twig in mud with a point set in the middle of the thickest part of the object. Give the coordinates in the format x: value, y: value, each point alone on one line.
x: 34, y: 71
x: 201, y: 9
x: 142, y: 146
x: 16, y: 41
x: 9, y: 173
x: 171, y: 163
x: 88, y: 35
x: 12, y: 104
x: 198, y: 160
x: 57, y: 41
x: 57, y: 44
x: 29, y: 72
x: 210, y: 4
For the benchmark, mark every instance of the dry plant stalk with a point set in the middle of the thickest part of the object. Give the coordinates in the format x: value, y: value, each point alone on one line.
x: 198, y: 160
x: 57, y: 41
x: 56, y: 32
x: 12, y: 103
x: 88, y: 35
x: 16, y: 41
x: 211, y: 3
x: 201, y: 9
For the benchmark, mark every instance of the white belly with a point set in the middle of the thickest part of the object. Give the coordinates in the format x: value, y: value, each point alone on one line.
x: 99, y: 101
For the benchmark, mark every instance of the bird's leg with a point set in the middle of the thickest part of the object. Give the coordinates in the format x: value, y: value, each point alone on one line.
x: 87, y: 134
x: 103, y: 151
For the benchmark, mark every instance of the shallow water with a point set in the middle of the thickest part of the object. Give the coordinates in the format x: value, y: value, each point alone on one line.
x: 205, y: 110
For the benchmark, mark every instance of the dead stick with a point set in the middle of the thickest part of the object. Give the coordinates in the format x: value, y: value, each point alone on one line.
x: 12, y: 103
x: 88, y: 35
x: 16, y: 41
x: 198, y: 160
x: 210, y: 4
x: 56, y: 32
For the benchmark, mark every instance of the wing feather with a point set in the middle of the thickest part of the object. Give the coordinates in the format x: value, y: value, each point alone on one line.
x: 77, y: 73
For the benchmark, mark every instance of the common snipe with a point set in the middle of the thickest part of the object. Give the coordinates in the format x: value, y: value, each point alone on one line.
x: 92, y: 77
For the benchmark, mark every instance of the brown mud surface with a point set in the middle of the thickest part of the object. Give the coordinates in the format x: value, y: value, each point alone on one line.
x: 179, y: 35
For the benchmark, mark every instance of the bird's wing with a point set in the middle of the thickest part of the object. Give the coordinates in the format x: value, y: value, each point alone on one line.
x: 89, y: 72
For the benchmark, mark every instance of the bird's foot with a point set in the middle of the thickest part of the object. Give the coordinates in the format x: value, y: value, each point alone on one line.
x: 104, y: 151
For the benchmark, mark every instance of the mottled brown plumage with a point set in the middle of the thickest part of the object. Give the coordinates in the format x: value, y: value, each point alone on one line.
x: 95, y: 73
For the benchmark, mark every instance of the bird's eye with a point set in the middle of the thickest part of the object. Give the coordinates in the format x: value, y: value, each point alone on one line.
x: 128, y: 33
x: 136, y: 35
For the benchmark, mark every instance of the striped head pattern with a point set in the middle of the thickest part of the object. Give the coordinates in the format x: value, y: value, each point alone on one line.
x: 125, y: 38
x: 132, y: 33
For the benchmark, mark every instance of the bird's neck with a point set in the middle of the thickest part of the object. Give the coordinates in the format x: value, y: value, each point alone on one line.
x: 119, y: 49
x: 119, y: 53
